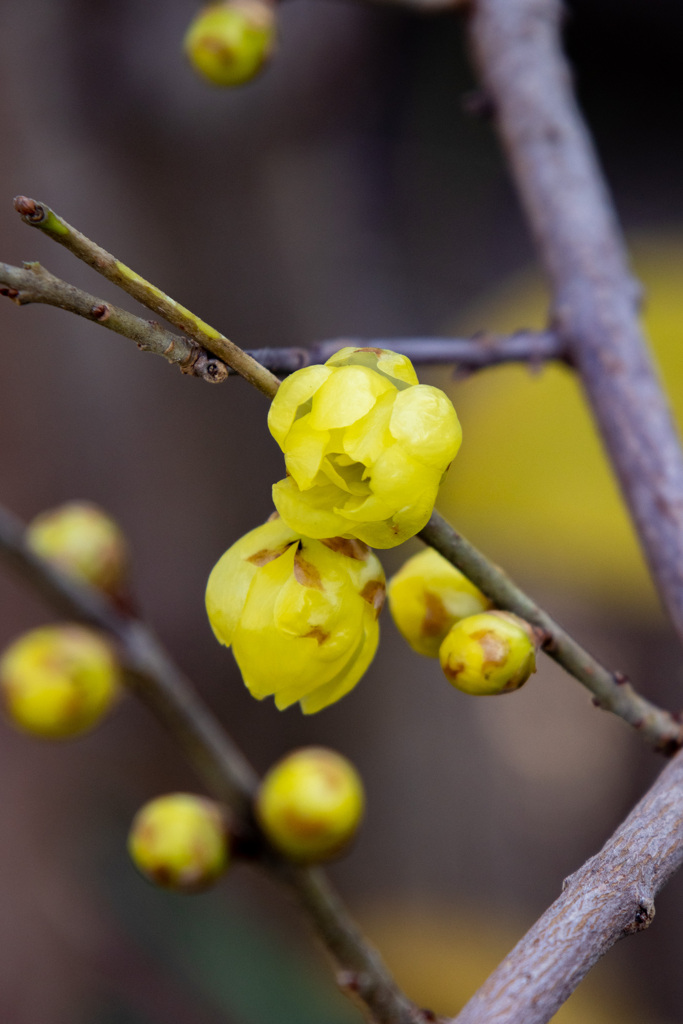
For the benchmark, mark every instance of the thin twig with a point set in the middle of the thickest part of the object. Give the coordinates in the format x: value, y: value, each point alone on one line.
x: 466, y: 354
x: 611, y: 690
x: 610, y: 897
x: 41, y: 216
x: 33, y: 283
x: 158, y: 682
x: 595, y: 300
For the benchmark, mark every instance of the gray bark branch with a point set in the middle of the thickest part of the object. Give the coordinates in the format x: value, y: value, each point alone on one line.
x: 595, y: 299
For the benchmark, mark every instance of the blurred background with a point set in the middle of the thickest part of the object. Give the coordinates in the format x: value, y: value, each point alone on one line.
x: 346, y: 193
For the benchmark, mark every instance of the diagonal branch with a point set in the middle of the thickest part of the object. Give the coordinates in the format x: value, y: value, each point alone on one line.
x: 157, y: 681
x: 33, y: 283
x: 610, y: 897
x: 517, y: 49
x: 612, y: 691
x: 40, y: 216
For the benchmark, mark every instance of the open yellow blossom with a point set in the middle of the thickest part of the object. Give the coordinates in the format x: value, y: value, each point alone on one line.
x: 427, y: 596
x: 300, y: 614
x: 366, y: 447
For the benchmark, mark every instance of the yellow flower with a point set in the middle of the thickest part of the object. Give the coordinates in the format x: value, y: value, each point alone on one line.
x: 366, y: 447
x: 427, y: 596
x: 59, y: 681
x: 494, y: 652
x: 310, y: 804
x: 300, y: 614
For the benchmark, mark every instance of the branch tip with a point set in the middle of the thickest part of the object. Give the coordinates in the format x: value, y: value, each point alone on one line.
x: 29, y: 208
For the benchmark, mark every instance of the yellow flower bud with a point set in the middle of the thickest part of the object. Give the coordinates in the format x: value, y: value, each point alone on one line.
x: 300, y: 614
x: 310, y: 804
x: 229, y: 43
x: 58, y: 681
x: 427, y: 596
x: 84, y: 541
x: 494, y: 652
x: 366, y: 447
x: 180, y: 841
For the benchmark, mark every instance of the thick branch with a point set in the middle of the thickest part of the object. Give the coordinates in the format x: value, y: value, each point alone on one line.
x: 158, y: 682
x: 148, y: 294
x: 611, y: 896
x: 516, y: 43
x: 33, y: 283
x: 611, y: 690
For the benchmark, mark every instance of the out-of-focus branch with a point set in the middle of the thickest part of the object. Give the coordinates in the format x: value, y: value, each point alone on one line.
x: 466, y: 354
x: 41, y: 216
x: 611, y: 690
x: 595, y: 300
x: 32, y: 283
x: 154, y: 677
x: 610, y: 897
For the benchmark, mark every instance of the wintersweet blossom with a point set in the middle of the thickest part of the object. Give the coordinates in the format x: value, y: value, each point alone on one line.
x: 366, y: 447
x: 300, y: 614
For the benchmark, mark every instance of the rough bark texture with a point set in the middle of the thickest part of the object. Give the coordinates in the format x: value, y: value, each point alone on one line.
x: 611, y: 896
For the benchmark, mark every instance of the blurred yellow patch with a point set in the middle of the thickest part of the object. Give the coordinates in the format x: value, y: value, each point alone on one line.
x: 531, y: 485
x: 440, y: 957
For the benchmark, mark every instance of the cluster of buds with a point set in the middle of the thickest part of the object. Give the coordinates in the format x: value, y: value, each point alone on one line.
x: 59, y: 682
x: 308, y: 806
x: 443, y: 615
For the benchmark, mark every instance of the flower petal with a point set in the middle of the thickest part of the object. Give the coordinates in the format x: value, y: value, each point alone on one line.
x: 424, y: 421
x: 349, y: 393
x: 294, y: 392
x: 310, y: 512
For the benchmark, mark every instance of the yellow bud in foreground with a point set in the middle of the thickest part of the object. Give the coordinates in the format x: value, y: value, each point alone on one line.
x: 58, y: 681
x: 229, y: 43
x: 427, y: 596
x: 84, y: 542
x: 494, y: 652
x: 310, y: 804
x: 300, y: 614
x: 180, y: 841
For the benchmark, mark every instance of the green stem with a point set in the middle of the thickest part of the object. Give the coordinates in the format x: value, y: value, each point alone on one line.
x: 40, y: 216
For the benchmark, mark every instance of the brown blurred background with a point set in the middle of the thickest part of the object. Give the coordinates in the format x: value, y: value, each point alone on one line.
x: 345, y: 193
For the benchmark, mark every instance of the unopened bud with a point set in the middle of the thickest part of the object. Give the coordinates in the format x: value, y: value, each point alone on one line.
x: 229, y: 43
x: 494, y: 652
x: 427, y: 596
x: 180, y: 841
x: 84, y: 542
x: 310, y: 804
x: 58, y: 681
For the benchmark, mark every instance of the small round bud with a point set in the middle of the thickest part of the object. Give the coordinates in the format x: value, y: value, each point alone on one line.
x: 494, y: 652
x: 58, y: 681
x: 83, y: 541
x: 310, y: 804
x: 427, y: 596
x: 229, y: 43
x: 180, y: 841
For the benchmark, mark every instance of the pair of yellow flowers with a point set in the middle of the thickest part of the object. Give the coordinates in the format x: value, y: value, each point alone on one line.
x: 366, y: 447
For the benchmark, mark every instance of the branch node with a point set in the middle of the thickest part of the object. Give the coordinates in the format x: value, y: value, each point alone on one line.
x: 643, y: 918
x: 101, y: 311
